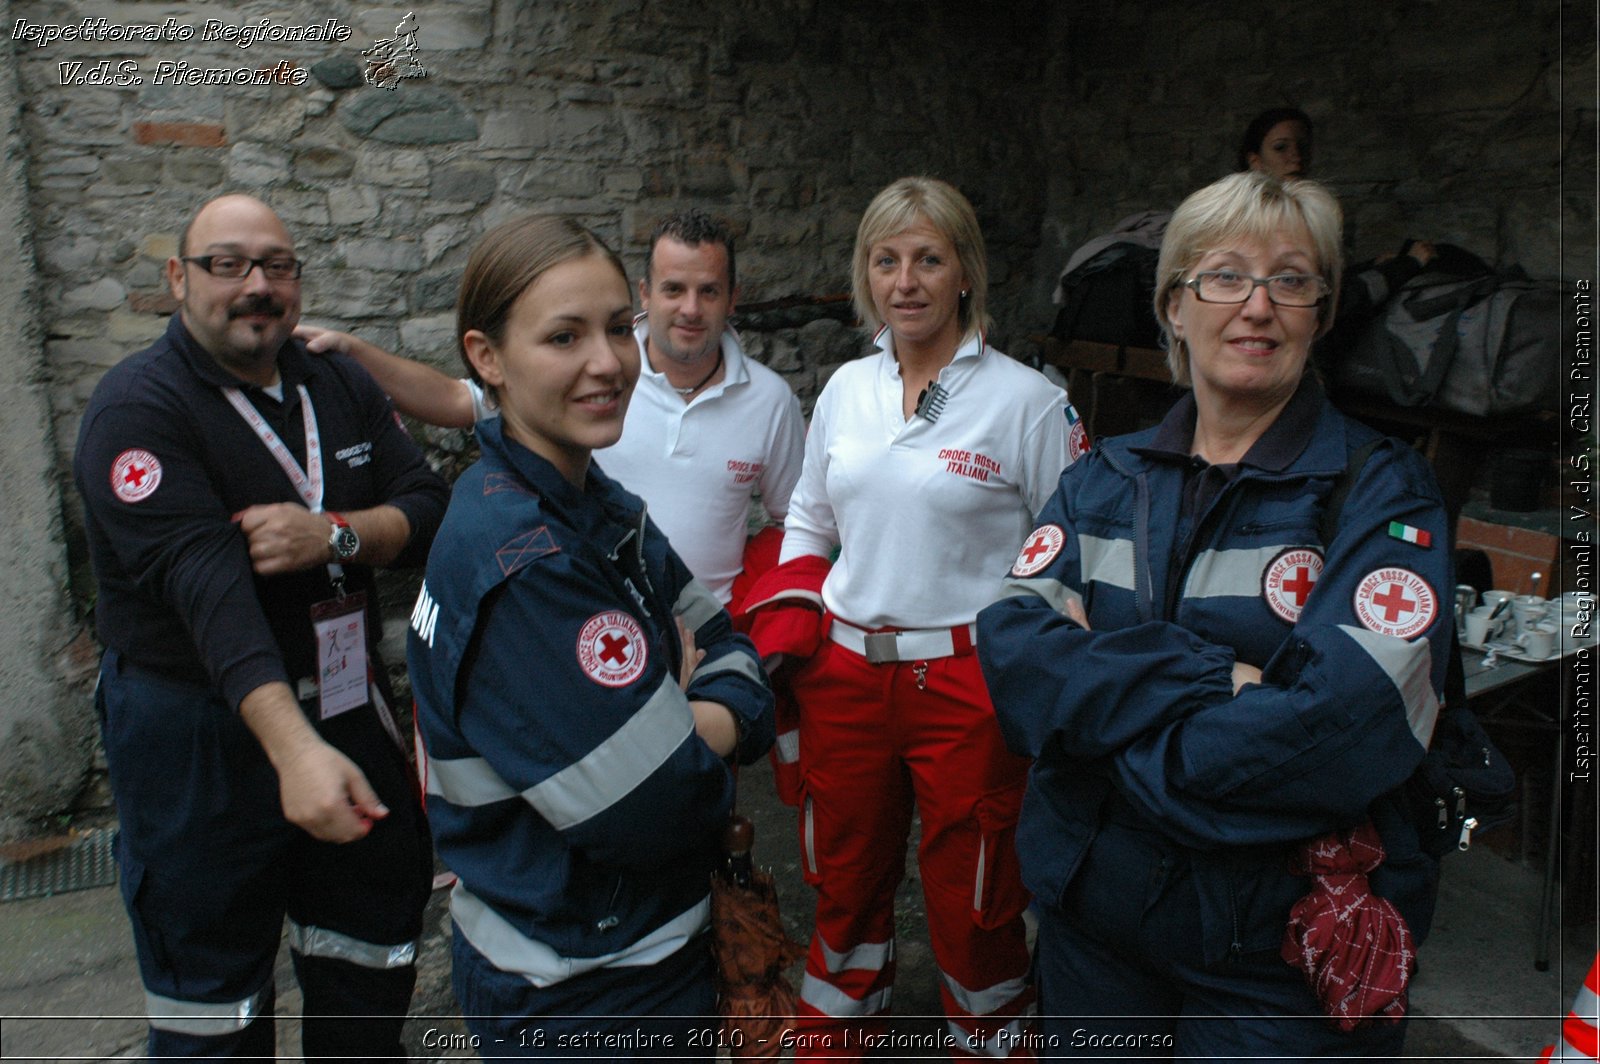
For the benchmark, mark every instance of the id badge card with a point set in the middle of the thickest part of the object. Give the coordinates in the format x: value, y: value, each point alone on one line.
x: 340, y: 625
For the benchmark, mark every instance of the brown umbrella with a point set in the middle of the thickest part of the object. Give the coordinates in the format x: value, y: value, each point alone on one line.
x: 752, y: 950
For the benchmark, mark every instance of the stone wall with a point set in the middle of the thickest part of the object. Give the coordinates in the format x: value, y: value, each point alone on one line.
x: 1439, y: 119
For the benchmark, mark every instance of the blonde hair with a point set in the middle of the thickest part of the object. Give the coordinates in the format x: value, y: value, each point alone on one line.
x: 899, y: 207
x: 1250, y: 205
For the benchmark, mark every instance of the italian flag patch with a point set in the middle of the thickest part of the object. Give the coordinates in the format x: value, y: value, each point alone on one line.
x: 1421, y: 537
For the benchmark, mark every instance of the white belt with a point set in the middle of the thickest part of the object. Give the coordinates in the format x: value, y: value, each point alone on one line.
x: 905, y: 644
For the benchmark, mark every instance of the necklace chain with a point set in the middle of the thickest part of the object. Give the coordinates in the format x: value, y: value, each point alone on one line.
x: 686, y: 392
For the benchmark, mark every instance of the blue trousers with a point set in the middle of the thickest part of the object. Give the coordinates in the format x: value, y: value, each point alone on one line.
x: 209, y: 868
x: 662, y: 1010
x: 1122, y: 973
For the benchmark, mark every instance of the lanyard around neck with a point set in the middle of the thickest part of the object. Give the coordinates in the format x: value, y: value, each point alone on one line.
x: 308, y: 482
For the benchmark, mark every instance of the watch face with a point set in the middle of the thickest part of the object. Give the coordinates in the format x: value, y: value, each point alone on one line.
x: 345, y: 542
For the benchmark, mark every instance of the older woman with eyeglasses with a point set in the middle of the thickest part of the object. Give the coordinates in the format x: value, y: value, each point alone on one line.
x: 1223, y: 671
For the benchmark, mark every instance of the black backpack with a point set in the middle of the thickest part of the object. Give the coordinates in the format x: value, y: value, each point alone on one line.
x: 1465, y: 785
x: 1107, y: 299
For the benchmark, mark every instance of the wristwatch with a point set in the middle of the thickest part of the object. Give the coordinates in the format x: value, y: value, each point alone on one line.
x: 342, y: 540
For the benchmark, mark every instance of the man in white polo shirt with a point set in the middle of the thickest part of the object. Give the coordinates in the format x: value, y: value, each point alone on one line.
x: 708, y: 426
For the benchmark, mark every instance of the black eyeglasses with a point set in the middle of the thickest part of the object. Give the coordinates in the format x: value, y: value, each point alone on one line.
x: 235, y: 267
x: 1284, y: 289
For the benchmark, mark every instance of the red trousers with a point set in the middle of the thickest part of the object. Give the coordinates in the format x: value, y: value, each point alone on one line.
x: 874, y: 738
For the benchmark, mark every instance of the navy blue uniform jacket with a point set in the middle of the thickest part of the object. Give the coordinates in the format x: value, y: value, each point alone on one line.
x: 1351, y: 636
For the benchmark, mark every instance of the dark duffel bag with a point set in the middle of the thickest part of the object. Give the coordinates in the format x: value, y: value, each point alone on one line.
x: 1463, y: 337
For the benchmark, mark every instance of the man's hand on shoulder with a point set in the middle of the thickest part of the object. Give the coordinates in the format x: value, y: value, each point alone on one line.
x: 284, y: 537
x: 320, y: 341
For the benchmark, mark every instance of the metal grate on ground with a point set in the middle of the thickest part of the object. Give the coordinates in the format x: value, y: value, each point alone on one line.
x: 54, y: 866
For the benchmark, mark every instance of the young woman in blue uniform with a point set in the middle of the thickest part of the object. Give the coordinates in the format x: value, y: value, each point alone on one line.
x: 579, y: 694
x: 1209, y: 683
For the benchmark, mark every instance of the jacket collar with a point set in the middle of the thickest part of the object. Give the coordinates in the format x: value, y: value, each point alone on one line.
x: 548, y: 483
x: 295, y: 365
x: 1307, y: 433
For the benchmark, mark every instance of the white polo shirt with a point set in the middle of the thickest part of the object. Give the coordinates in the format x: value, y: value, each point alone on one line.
x: 928, y: 515
x: 697, y: 464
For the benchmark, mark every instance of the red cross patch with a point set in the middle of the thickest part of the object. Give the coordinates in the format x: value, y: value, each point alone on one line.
x: 612, y: 649
x: 1288, y: 579
x: 135, y: 475
x: 1077, y: 442
x: 1039, y: 550
x: 1397, y: 602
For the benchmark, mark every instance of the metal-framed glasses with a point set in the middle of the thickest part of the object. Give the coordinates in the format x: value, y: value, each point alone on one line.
x: 237, y: 267
x: 1284, y: 289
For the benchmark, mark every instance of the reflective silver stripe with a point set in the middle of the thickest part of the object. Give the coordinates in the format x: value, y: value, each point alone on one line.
x: 466, y: 781
x: 1054, y: 592
x: 321, y: 942
x: 808, y: 837
x: 626, y: 759
x: 732, y: 661
x: 1110, y: 561
x: 1409, y: 666
x: 867, y: 957
x: 1224, y: 573
x: 831, y: 1001
x: 993, y: 1045
x: 1586, y: 1002
x: 588, y: 786
x: 814, y: 597
x: 789, y: 747
x: 987, y: 1001
x: 511, y: 951
x: 977, y: 886
x: 696, y: 605
x: 201, y: 1019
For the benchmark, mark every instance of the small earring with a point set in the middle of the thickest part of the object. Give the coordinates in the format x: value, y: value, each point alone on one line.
x: 963, y: 293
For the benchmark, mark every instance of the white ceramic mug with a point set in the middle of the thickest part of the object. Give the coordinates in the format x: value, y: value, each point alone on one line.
x: 1527, y: 611
x: 1480, y: 629
x: 1539, y: 641
x: 1496, y: 596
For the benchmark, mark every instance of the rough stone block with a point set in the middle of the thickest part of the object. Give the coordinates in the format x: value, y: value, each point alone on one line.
x: 146, y: 171
x: 408, y: 116
x: 441, y: 238
x: 67, y: 254
x: 462, y: 181
x: 86, y: 352
x: 388, y: 166
x: 193, y: 171
x: 158, y: 301
x: 428, y: 336
x: 393, y: 256
x: 339, y: 72
x: 273, y: 119
x: 344, y: 293
x: 257, y: 165
x: 128, y: 328
x: 159, y: 247
x: 182, y: 134
x: 321, y: 163
x: 103, y: 294
x: 350, y: 205
x: 436, y: 290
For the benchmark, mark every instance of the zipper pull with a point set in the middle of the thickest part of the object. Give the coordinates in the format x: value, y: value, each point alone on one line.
x: 1468, y: 826
x: 1443, y: 811
x: 921, y: 671
x: 1461, y: 801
